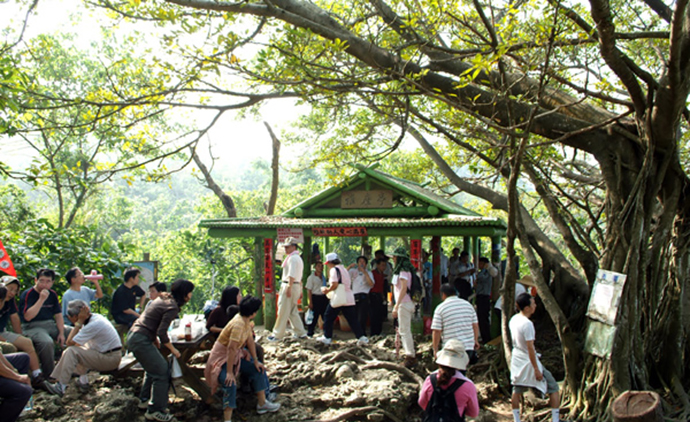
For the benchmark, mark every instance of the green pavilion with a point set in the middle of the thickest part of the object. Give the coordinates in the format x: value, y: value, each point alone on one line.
x: 370, y: 205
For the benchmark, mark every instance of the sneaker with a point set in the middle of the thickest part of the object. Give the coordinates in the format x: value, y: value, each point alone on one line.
x: 324, y: 340
x: 159, y: 416
x: 362, y: 341
x: 143, y: 405
x: 271, y: 396
x: 54, y: 389
x: 38, y: 382
x: 295, y: 336
x: 269, y: 406
x: 272, y: 338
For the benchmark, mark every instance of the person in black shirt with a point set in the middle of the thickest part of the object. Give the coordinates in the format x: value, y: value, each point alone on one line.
x: 41, y: 316
x: 125, y: 299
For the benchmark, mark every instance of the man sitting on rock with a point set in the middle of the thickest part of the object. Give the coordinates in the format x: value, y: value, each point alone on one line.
x: 93, y: 344
x: 41, y: 316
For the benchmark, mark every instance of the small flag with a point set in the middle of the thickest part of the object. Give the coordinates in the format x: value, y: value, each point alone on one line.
x: 6, y: 262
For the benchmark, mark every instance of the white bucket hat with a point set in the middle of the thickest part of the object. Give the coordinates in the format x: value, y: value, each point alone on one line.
x: 453, y: 355
x: 290, y: 241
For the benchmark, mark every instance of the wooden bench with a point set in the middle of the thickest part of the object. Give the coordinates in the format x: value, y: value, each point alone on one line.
x: 125, y: 367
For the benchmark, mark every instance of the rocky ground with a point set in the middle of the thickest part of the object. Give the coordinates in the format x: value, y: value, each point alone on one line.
x: 316, y: 383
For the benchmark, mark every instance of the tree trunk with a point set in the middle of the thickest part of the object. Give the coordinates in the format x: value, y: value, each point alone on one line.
x: 275, y: 182
x: 637, y: 406
x: 225, y: 199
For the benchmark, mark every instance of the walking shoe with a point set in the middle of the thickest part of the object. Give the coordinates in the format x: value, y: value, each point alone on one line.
x: 267, y: 407
x: 324, y: 340
x: 271, y: 396
x: 296, y: 336
x: 143, y: 405
x: 54, y: 389
x: 38, y: 382
x: 272, y: 338
x: 362, y: 341
x: 409, y: 362
x: 159, y: 416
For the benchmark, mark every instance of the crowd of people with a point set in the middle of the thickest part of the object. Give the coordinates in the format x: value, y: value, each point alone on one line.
x: 357, y: 292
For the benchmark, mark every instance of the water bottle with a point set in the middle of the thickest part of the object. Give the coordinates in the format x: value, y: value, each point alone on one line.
x: 29, y: 405
x: 309, y: 318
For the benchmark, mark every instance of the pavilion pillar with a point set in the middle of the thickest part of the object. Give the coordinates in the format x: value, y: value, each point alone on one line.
x: 269, y: 284
x: 476, y: 249
x: 436, y: 272
x: 466, y: 244
x: 258, y: 276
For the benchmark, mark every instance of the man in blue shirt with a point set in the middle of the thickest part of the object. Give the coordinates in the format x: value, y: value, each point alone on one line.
x: 75, y: 278
x: 41, y: 316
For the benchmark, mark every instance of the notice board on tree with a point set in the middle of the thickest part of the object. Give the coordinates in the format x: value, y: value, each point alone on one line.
x: 606, y: 296
x: 602, y: 311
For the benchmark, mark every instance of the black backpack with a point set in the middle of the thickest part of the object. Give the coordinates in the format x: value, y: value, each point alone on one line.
x: 442, y: 406
x: 417, y: 288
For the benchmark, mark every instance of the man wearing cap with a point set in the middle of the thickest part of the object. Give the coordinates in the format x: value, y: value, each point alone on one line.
x: 8, y: 313
x: 290, y: 293
x: 41, y: 315
x: 93, y: 344
x: 455, y: 318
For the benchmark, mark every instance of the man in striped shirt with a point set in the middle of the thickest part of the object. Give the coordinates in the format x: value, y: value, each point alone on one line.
x: 455, y: 318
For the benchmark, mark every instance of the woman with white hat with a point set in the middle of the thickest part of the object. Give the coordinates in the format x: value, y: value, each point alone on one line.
x: 447, y: 393
x: 337, y: 275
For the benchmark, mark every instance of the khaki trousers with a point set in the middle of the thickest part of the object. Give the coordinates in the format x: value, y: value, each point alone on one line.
x: 287, y: 311
x: 78, y: 360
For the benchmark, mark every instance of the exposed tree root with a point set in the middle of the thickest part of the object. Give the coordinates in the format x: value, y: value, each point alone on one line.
x: 342, y: 355
x: 394, y: 367
x: 358, y: 411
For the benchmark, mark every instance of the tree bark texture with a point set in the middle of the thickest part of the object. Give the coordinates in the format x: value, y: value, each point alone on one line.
x: 275, y: 167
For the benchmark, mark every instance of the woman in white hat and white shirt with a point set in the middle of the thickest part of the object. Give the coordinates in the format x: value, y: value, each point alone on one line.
x: 451, y: 361
x: 338, y: 274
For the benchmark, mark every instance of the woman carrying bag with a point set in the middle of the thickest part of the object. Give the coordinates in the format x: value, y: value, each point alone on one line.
x: 342, y: 299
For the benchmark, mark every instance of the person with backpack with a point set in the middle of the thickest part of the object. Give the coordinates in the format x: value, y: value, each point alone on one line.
x: 448, y: 395
x: 404, y: 305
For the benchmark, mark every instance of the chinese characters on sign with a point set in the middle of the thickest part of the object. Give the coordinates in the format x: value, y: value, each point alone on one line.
x: 284, y: 233
x: 366, y: 199
x: 269, y: 280
x: 339, y: 231
x: 416, y: 253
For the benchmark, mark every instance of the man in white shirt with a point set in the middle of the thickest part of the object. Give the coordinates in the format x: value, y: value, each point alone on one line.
x: 526, y: 371
x: 464, y: 282
x: 455, y: 318
x: 317, y: 300
x: 93, y: 344
x: 290, y: 293
x: 362, y: 282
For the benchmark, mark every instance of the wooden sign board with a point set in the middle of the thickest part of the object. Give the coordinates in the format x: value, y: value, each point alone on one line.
x: 366, y: 199
x: 339, y: 231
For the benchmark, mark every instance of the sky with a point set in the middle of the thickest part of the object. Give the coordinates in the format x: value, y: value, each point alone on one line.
x: 234, y: 141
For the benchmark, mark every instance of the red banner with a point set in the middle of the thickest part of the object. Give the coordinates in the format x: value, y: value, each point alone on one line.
x: 5, y: 262
x: 339, y: 231
x: 269, y: 277
x: 416, y: 253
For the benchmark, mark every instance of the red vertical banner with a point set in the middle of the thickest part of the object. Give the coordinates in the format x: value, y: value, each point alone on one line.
x: 416, y: 253
x: 269, y: 278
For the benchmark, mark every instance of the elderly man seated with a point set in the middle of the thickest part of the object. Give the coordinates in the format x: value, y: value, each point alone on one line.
x: 93, y: 344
